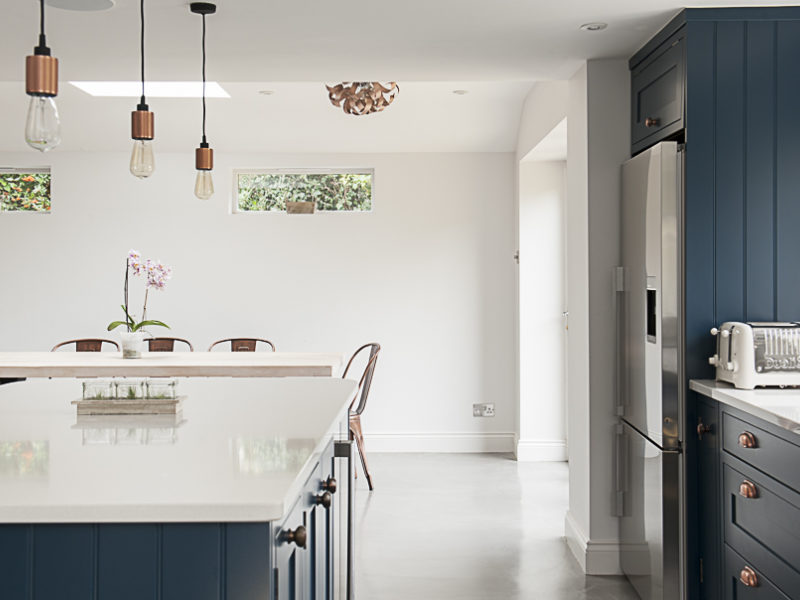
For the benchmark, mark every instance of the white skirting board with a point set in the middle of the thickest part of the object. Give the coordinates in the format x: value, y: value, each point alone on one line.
x: 541, y: 450
x: 439, y: 442
x: 600, y: 557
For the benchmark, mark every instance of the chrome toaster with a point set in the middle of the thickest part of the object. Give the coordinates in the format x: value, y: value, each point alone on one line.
x: 753, y: 355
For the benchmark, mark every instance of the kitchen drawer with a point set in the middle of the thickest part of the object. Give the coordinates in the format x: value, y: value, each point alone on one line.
x: 735, y: 589
x: 774, y: 455
x: 762, y: 521
x: 657, y: 95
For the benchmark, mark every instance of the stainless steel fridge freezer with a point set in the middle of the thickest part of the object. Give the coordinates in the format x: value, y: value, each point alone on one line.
x: 650, y: 470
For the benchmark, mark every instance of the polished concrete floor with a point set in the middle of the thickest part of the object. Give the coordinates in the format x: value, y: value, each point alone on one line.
x: 468, y: 527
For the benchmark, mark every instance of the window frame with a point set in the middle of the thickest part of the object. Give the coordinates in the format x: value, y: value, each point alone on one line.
x: 4, y: 170
x: 301, y: 171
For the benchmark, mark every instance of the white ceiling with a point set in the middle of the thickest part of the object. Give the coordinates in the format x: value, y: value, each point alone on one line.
x: 251, y: 41
x: 298, y: 117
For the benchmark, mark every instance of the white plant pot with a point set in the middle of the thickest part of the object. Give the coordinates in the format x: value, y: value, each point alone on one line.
x: 132, y: 344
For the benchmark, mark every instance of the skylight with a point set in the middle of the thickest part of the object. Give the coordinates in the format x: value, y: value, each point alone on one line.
x: 153, y: 89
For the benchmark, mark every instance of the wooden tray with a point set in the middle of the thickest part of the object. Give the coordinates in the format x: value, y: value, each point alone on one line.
x: 124, y: 406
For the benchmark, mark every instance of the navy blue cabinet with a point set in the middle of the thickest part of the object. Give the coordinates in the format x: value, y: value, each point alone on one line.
x: 735, y: 109
x: 748, y: 517
x: 709, y: 508
x: 657, y: 94
x: 288, y: 560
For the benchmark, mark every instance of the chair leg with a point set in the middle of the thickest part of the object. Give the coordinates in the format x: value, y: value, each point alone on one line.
x: 355, y: 427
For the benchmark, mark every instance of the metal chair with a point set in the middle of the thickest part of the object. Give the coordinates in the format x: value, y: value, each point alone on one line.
x: 166, y: 344
x: 87, y: 345
x: 243, y: 344
x: 362, y: 393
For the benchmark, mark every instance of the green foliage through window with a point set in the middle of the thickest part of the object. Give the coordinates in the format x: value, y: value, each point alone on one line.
x: 21, y: 191
x: 330, y: 191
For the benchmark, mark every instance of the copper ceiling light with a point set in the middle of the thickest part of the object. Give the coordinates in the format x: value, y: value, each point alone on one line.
x: 42, y: 127
x: 142, y: 124
x: 363, y: 97
x: 204, y: 155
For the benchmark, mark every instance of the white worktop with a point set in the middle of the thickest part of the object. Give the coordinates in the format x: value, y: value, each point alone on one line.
x: 780, y: 407
x: 241, y: 451
x: 169, y: 364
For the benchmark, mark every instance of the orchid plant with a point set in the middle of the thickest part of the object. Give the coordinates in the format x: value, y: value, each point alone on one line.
x: 156, y: 275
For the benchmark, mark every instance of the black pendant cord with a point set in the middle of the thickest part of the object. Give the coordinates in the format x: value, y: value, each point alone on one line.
x: 143, y: 103
x: 42, y: 48
x: 204, y: 79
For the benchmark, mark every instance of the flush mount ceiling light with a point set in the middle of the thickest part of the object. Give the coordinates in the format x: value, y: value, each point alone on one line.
x: 598, y: 26
x: 461, y: 92
x: 142, y: 124
x: 154, y: 89
x: 42, y: 126
x: 362, y: 97
x: 81, y: 5
x: 204, y: 155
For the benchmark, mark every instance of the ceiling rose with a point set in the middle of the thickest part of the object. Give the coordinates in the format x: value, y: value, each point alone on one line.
x: 363, y: 97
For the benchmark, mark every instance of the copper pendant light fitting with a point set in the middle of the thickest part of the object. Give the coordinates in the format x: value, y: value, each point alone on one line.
x: 41, y: 74
x: 142, y: 123
x: 204, y: 158
x: 203, y: 8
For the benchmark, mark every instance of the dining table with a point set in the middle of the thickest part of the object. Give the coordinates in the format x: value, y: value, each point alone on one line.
x: 21, y: 365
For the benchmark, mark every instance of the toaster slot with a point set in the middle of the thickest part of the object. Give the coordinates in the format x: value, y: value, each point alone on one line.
x: 651, y: 315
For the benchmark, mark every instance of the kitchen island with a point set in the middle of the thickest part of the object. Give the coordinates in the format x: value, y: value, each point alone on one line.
x: 748, y: 452
x: 234, y: 498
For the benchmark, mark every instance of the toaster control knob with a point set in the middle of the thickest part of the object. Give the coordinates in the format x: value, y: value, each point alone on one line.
x: 713, y: 360
x: 725, y: 333
x: 714, y: 331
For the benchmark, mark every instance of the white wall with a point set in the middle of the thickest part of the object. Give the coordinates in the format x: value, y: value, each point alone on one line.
x: 429, y: 274
x: 599, y: 142
x: 545, y: 107
x: 542, y: 199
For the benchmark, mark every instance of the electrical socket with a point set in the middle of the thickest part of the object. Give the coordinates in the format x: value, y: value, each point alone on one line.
x: 483, y: 410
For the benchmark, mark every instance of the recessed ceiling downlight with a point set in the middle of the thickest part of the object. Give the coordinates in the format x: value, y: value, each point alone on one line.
x: 594, y: 26
x: 81, y: 5
x: 461, y: 92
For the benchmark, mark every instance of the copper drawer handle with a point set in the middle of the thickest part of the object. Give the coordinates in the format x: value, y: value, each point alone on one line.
x: 748, y: 577
x: 747, y: 440
x: 648, y: 122
x: 298, y: 536
x: 747, y: 489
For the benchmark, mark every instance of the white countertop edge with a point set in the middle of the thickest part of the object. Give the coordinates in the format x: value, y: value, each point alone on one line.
x: 184, y: 513
x: 156, y: 513
x: 759, y: 402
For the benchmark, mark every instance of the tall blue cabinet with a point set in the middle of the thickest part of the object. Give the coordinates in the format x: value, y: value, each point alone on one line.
x: 726, y: 82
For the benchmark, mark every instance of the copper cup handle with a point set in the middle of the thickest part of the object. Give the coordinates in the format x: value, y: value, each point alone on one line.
x: 747, y: 489
x: 748, y: 577
x: 747, y: 440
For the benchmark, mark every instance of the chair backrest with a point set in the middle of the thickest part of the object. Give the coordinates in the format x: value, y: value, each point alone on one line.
x: 87, y: 344
x: 366, y: 377
x: 166, y: 344
x: 243, y: 344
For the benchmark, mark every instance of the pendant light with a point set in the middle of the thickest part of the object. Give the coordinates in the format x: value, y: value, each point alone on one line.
x: 42, y: 127
x: 204, y: 155
x: 142, y: 125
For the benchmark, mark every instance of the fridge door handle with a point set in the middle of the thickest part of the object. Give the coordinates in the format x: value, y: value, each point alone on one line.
x: 621, y: 470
